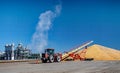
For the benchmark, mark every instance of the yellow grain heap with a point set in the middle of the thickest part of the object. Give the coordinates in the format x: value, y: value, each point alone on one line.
x: 99, y: 52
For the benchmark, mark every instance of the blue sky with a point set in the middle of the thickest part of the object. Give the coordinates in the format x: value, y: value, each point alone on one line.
x: 79, y: 21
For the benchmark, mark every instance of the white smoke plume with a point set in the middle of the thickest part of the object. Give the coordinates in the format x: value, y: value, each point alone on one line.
x: 40, y: 37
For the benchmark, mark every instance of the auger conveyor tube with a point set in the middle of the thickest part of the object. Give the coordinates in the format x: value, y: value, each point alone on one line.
x: 66, y: 55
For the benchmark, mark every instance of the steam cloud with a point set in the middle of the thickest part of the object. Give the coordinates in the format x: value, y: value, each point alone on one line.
x: 40, y: 37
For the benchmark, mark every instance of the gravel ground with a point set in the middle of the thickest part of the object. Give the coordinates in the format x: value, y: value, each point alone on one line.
x: 63, y: 67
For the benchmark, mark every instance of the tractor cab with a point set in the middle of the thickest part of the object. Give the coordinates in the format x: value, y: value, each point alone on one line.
x: 49, y: 51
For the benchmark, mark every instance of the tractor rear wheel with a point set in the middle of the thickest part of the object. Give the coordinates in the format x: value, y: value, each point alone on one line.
x: 51, y: 59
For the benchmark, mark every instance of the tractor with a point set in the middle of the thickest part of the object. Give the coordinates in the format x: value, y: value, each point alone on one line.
x: 50, y: 56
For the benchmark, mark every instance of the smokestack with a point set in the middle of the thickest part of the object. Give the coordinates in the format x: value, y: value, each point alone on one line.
x: 12, y: 54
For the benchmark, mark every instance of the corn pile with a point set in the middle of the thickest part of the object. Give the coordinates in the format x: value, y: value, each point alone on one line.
x: 99, y: 52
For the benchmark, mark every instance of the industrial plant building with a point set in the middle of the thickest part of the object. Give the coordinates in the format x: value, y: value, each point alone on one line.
x: 21, y: 52
x: 2, y: 55
x: 9, y: 52
x: 18, y: 53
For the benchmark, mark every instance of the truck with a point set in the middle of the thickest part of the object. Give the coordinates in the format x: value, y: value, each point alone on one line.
x: 50, y: 56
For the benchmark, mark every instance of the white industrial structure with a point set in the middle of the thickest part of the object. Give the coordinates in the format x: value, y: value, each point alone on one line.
x: 9, y: 52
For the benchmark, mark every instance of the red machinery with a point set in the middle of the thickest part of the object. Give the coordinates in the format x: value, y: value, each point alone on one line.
x: 79, y: 56
x: 50, y: 56
x: 74, y: 53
